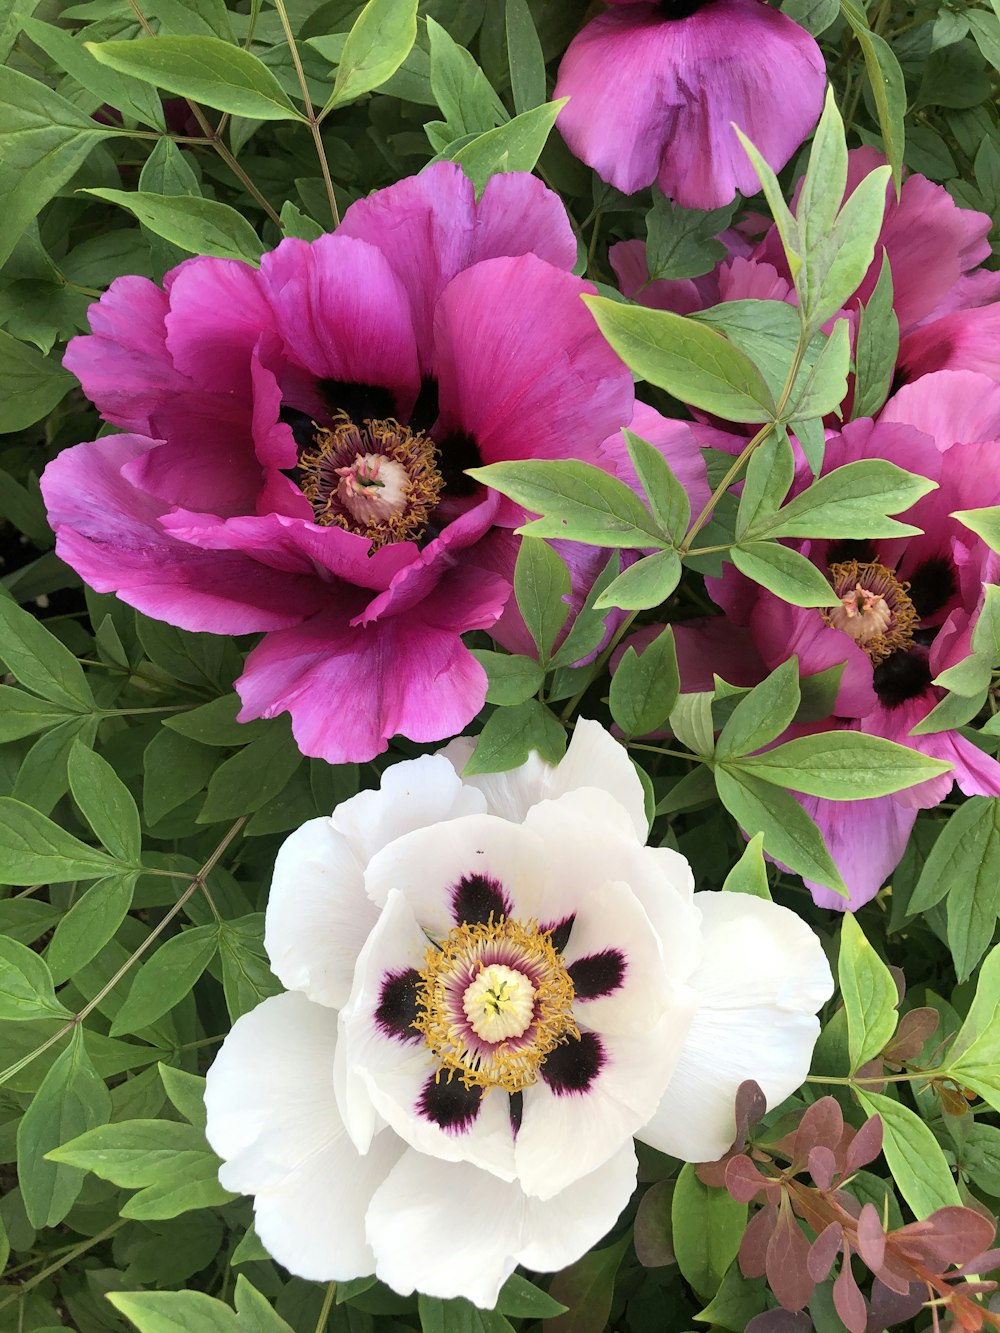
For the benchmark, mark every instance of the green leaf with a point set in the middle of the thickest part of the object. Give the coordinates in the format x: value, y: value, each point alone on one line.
x: 691, y: 722
x: 790, y: 835
x: 174, y: 769
x: 784, y: 572
x: 588, y: 629
x: 788, y: 227
x: 887, y: 85
x: 984, y: 523
x: 186, y: 1093
x: 915, y: 1159
x: 708, y: 1225
x: 644, y: 688
x: 524, y: 55
x: 812, y: 441
x: 951, y: 712
x: 129, y: 96
x: 877, y: 347
x: 541, y: 585
x: 688, y: 359
x: 27, y: 991
x: 769, y: 475
x: 823, y: 387
x: 207, y: 69
x: 587, y: 1288
x: 647, y: 583
x: 762, y: 714
x: 86, y: 928
x: 44, y: 140
x: 843, y: 766
x: 749, y: 874
x: 72, y: 1098
x: 964, y: 863
x: 845, y: 255
x: 195, y: 18
x: 822, y: 190
x: 515, y: 146
x: 255, y: 1312
x: 512, y: 677
x: 509, y: 736
x: 23, y: 714
x: 297, y: 223
x: 174, y: 1312
x: 460, y: 87
x: 380, y: 40
x: 168, y: 976
x: 187, y: 1183
x: 458, y: 1316
x: 215, y: 724
x: 853, y: 501
x: 667, y: 499
x: 106, y: 803
x: 247, y: 978
x: 869, y: 993
x: 39, y: 661
x: 578, y: 501
x: 34, y: 850
x: 252, y: 777
x: 974, y: 673
x: 31, y: 384
x: 202, y: 226
x: 681, y: 242
x: 523, y: 1300
x: 985, y: 29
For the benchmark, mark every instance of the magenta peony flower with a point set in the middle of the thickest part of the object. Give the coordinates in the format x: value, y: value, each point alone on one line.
x: 908, y: 608
x: 655, y: 87
x: 297, y: 439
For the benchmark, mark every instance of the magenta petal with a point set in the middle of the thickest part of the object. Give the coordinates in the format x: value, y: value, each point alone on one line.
x: 952, y: 406
x: 963, y: 340
x: 866, y: 839
x: 217, y: 313
x: 680, y: 443
x: 781, y: 630
x: 342, y: 313
x: 501, y: 380
x: 709, y: 647
x: 109, y: 532
x: 350, y: 689
x: 430, y: 228
x: 681, y: 295
x: 124, y: 365
x: 206, y: 461
x: 644, y: 88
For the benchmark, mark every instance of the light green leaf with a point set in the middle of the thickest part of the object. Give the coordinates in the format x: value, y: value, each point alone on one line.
x: 790, y: 835
x: 708, y: 1225
x: 645, y: 584
x: 206, y: 69
x: 887, y: 85
x: 644, y: 688
x: 541, y: 585
x: 513, y: 678
x: 822, y: 190
x: 72, y: 1098
x: 749, y: 874
x: 822, y: 388
x: 914, y: 1156
x: 877, y: 348
x: 254, y: 1311
x: 762, y: 714
x: 681, y: 242
x: 524, y: 56
x: 784, y: 572
x: 788, y: 227
x: 509, y: 736
x: 984, y: 523
x: 688, y: 359
x: 869, y: 993
x: 843, y: 766
x: 202, y: 226
x: 691, y: 722
x: 186, y: 1093
x: 380, y: 40
x: 835, y: 269
x: 515, y: 146
x: 667, y: 499
x: 174, y: 1312
x: 578, y: 501
x: 853, y: 501
x: 769, y: 475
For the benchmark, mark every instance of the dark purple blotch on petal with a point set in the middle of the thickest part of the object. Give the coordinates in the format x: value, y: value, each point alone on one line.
x: 425, y: 409
x: 476, y: 898
x: 931, y: 585
x: 449, y: 1104
x: 851, y: 548
x: 680, y: 9
x: 902, y: 676
x: 560, y: 932
x: 397, y: 1006
x: 515, y: 1110
x: 361, y: 402
x: 598, y: 974
x: 458, y: 452
x: 573, y: 1066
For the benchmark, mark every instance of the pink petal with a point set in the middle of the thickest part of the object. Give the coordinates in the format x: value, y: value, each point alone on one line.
x: 681, y: 295
x: 949, y: 405
x: 680, y: 443
x: 866, y: 840
x: 964, y: 340
x: 218, y: 311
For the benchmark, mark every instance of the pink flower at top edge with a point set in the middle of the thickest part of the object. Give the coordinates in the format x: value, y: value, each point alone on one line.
x: 297, y: 438
x: 655, y: 87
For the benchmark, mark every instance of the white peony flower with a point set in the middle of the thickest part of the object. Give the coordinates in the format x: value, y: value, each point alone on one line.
x: 493, y: 984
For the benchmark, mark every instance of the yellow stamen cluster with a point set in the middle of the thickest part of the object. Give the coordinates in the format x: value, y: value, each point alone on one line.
x: 874, y: 610
x: 509, y: 1063
x: 379, y: 479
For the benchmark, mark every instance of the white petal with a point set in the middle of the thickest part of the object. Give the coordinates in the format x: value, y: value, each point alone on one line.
x: 762, y: 977
x: 429, y: 864
x: 565, y: 1135
x: 318, y: 915
x: 414, y: 794
x: 273, y: 1115
x: 593, y: 759
x: 449, y: 1230
x: 396, y: 1073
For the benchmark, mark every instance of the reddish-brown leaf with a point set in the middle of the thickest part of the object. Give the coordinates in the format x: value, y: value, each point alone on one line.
x: 950, y: 1235
x: 743, y: 1181
x: 865, y: 1146
x: 871, y: 1237
x: 821, y: 1124
x: 890, y: 1307
x: 652, y: 1233
x: 787, y: 1263
x: 848, y: 1300
x: 822, y: 1166
x: 912, y: 1033
x: 824, y: 1250
x: 753, y: 1246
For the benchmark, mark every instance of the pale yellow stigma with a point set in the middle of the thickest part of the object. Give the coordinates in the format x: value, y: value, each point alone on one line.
x: 499, y: 1003
x: 379, y: 479
x: 874, y: 609
x: 492, y: 1001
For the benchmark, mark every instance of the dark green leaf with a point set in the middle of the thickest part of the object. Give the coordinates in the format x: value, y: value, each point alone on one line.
x: 708, y: 1225
x: 644, y: 688
x: 30, y: 384
x: 131, y: 97
x: 166, y: 978
x: 524, y: 54
x: 39, y: 661
x: 34, y: 850
x: 541, y: 586
x: 26, y: 988
x: 86, y: 928
x: 681, y: 242
x: 202, y: 226
x: 509, y: 736
x: 106, y: 803
x: 877, y: 347
x: 762, y: 714
x: 869, y: 992
x: 253, y: 776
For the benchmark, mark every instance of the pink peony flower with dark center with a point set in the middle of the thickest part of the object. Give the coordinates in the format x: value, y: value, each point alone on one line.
x: 297, y: 438
x: 655, y: 88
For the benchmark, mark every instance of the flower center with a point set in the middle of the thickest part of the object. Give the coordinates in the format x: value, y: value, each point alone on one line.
x: 874, y: 609
x: 379, y: 479
x: 492, y: 1001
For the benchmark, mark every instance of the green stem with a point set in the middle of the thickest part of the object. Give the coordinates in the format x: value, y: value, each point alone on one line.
x: 198, y: 882
x: 310, y: 113
x: 600, y: 664
x: 67, y: 1258
x: 324, y: 1314
x: 852, y: 1081
x: 659, y: 749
